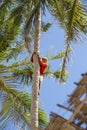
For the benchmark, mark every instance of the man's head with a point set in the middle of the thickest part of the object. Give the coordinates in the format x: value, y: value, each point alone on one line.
x: 44, y: 59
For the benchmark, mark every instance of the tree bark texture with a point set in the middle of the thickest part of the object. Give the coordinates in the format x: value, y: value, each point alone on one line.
x: 35, y: 80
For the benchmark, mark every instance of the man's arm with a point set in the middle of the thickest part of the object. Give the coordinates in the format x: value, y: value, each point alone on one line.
x: 31, y: 59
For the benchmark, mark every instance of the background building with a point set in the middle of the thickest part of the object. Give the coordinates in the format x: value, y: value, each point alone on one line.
x: 77, y: 105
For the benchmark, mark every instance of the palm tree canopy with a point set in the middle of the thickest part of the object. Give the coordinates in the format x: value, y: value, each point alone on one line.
x: 72, y: 16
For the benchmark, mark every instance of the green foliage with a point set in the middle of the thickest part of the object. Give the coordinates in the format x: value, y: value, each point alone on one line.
x: 23, y: 75
x: 16, y: 104
x: 10, y: 22
x: 13, y: 109
x: 16, y: 107
x: 3, y: 11
x: 72, y: 17
x: 45, y: 27
x: 60, y: 55
x: 42, y: 121
x: 11, y: 53
x: 64, y: 77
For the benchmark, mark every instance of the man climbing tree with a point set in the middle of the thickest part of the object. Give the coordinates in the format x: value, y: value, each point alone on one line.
x: 43, y: 65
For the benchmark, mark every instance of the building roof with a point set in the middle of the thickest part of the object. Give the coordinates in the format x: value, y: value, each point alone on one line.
x: 57, y: 123
x: 77, y: 105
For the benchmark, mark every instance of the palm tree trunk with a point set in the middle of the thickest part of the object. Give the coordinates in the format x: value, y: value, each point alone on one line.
x: 35, y: 80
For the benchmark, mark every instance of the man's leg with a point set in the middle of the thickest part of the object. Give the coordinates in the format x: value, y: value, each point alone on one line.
x: 40, y: 82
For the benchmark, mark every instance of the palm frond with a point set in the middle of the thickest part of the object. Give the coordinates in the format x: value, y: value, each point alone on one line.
x: 12, y: 110
x: 23, y: 62
x: 65, y: 75
x: 3, y: 3
x: 72, y: 16
x: 64, y: 62
x: 45, y: 26
x: 16, y: 106
x: 42, y: 121
x: 77, y: 20
x: 58, y: 10
x: 19, y: 71
x: 11, y: 52
x: 74, y: 28
x: 33, y: 12
x: 60, y: 55
x: 3, y: 12
x: 9, y: 34
x: 23, y: 76
x: 11, y: 20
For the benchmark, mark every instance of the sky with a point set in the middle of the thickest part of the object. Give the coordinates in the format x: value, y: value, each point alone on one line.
x: 52, y: 93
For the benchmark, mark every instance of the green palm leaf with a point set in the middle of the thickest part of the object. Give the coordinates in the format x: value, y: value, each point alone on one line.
x: 60, y: 55
x: 73, y: 20
x: 16, y: 106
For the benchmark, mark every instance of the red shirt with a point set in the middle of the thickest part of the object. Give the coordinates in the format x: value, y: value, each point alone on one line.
x: 42, y: 65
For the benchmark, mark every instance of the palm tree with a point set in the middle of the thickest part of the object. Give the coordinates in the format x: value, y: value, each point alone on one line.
x: 66, y: 12
x: 16, y: 103
x: 73, y: 15
x: 71, y: 26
